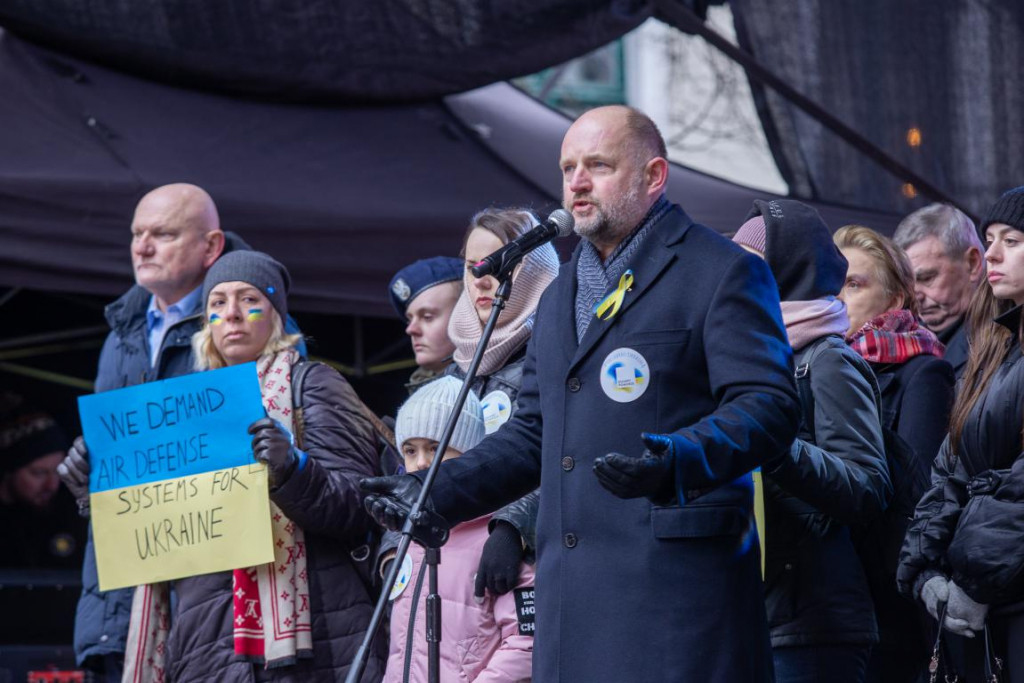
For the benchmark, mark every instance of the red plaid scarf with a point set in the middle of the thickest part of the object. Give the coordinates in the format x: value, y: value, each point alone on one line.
x: 894, y: 337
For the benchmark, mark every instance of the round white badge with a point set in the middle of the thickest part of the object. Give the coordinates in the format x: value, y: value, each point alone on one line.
x: 403, y: 579
x: 497, y: 408
x: 625, y: 375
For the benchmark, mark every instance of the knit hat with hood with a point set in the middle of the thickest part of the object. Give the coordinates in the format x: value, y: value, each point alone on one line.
x: 798, y: 248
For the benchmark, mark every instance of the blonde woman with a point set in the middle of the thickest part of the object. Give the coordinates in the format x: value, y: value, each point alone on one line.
x: 301, y: 617
x: 917, y: 391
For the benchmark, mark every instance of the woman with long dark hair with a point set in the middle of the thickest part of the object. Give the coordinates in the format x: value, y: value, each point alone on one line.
x: 964, y: 552
x: 513, y: 528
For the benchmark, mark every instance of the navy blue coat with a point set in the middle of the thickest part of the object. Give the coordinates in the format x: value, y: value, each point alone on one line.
x: 101, y: 620
x: 626, y: 590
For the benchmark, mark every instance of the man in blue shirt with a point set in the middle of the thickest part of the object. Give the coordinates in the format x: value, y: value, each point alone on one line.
x: 176, y: 237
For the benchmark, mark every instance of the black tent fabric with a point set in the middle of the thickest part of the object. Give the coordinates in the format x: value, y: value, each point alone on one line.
x: 345, y: 50
x: 936, y: 85
x: 344, y: 196
x: 528, y: 137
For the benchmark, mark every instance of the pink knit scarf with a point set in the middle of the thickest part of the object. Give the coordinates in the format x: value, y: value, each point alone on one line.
x: 515, y: 324
x: 808, y: 320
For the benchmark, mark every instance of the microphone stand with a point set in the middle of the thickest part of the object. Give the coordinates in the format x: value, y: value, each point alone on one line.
x: 436, y: 536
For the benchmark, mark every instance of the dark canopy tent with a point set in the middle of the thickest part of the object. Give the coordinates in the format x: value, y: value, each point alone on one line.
x: 344, y: 196
x: 936, y: 85
x: 329, y: 51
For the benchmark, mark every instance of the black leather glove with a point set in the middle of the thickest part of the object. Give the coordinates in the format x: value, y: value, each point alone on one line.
x: 499, y: 562
x: 274, y: 447
x: 389, y: 501
x: 74, y: 472
x: 650, y: 475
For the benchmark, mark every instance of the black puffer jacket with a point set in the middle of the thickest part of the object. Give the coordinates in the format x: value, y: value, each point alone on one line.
x: 969, y: 526
x: 522, y: 514
x: 323, y: 498
x: 816, y: 591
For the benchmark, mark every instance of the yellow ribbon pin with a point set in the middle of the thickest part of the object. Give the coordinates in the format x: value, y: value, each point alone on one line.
x: 609, y: 306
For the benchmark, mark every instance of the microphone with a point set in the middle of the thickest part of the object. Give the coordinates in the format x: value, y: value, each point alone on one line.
x: 558, y: 224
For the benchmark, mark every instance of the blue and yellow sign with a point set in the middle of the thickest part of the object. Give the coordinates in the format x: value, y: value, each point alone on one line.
x: 175, y: 491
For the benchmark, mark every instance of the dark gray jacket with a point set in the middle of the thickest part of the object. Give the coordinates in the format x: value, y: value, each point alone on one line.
x: 816, y: 591
x: 522, y: 514
x: 957, y: 349
x: 323, y: 498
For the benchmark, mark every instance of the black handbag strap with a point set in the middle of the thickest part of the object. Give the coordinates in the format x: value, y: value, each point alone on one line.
x: 991, y: 675
x: 993, y: 663
x: 933, y: 663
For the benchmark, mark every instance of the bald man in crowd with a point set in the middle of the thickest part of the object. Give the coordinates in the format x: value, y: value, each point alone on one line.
x: 657, y: 377
x: 176, y: 237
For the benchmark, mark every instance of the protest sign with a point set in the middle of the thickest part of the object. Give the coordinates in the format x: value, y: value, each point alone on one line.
x: 174, y: 488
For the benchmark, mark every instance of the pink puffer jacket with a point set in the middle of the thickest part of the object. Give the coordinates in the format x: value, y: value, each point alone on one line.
x: 483, y: 643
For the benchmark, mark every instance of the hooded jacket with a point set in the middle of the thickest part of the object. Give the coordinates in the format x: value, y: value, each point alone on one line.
x: 834, y: 475
x: 480, y: 642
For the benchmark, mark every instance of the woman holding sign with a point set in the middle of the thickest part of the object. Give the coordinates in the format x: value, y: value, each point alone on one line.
x: 301, y: 617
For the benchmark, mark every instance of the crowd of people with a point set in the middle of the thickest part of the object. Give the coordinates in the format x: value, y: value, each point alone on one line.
x: 792, y: 456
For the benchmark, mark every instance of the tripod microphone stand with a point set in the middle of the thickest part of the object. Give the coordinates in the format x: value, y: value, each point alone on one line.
x: 435, y: 533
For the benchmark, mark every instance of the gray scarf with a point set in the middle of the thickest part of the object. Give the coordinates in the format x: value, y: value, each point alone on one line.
x: 595, y: 278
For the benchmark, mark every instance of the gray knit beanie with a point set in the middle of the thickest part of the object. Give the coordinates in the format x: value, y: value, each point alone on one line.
x: 257, y: 269
x: 426, y: 413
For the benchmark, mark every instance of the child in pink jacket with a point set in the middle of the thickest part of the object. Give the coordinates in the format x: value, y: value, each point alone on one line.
x: 484, y: 642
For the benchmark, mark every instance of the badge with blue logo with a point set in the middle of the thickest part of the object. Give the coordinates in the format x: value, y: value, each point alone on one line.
x: 497, y: 408
x: 625, y: 375
x: 403, y: 578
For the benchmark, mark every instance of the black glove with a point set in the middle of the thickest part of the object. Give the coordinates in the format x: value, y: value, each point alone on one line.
x: 389, y: 501
x: 74, y: 472
x: 651, y: 475
x: 499, y: 561
x: 273, y: 447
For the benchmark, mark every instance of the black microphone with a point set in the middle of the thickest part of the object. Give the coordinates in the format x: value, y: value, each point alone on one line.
x: 558, y: 224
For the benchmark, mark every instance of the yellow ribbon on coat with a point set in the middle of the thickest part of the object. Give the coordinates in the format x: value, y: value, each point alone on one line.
x: 607, y: 307
x: 759, y: 511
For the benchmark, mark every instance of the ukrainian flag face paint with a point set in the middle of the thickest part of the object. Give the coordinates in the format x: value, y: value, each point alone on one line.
x: 240, y: 321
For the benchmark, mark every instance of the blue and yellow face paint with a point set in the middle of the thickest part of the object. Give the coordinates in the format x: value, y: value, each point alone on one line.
x: 215, y: 319
x: 255, y: 315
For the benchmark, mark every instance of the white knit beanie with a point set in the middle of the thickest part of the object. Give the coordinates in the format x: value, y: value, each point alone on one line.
x: 426, y: 413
